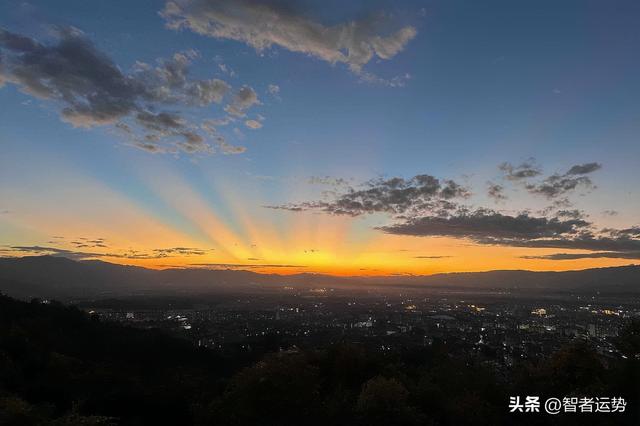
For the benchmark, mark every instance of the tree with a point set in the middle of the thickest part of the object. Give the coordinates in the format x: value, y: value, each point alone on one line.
x: 384, y: 401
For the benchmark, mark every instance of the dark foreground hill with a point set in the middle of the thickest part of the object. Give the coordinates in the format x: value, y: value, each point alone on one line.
x: 59, y: 366
x: 57, y: 277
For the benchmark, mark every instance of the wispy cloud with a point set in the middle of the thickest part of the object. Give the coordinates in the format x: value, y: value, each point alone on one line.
x: 244, y: 265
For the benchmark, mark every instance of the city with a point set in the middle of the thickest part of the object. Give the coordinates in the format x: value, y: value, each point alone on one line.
x: 498, y: 328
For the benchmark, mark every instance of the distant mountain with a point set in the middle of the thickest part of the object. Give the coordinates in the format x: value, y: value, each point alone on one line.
x: 614, y: 279
x: 58, y: 277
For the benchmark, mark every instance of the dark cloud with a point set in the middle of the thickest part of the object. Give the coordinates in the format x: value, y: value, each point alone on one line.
x: 328, y: 181
x: 394, y: 196
x: 492, y: 228
x: 554, y: 186
x: 425, y: 206
x: 91, y: 88
x: 525, y: 170
x: 592, y: 255
x: 158, y: 253
x: 431, y: 257
x: 583, y: 169
x: 52, y: 251
x: 93, y: 91
x: 482, y: 224
x: 610, y: 213
x: 571, y: 214
x: 558, y: 185
x: 632, y: 232
x: 243, y: 266
x: 496, y: 192
x: 160, y: 122
x: 583, y: 241
x: 262, y: 25
x: 89, y: 243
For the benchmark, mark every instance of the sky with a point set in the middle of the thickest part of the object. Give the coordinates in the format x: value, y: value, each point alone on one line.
x: 348, y: 138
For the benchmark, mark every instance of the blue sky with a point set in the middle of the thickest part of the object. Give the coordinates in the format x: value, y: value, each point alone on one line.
x: 476, y: 84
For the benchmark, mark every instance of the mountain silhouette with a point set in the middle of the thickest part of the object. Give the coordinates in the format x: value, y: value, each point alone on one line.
x: 59, y: 277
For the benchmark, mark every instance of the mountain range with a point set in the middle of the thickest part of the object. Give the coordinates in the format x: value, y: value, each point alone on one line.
x: 59, y: 277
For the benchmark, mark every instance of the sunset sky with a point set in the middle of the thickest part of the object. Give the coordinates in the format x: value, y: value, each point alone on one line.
x: 360, y: 137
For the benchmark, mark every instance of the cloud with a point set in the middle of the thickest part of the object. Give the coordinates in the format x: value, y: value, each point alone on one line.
x: 169, y: 82
x: 583, y: 169
x: 92, y: 90
x: 610, y: 213
x: 243, y: 265
x: 632, y: 232
x: 525, y: 170
x: 431, y: 257
x: 227, y: 148
x: 572, y: 214
x: 52, y: 251
x: 582, y: 242
x: 424, y: 206
x: 496, y: 192
x: 397, y: 81
x: 488, y: 227
x: 555, y: 185
x: 158, y: 253
x: 485, y: 224
x: 226, y: 69
x: 253, y: 124
x: 327, y: 180
x: 90, y: 86
x: 394, y: 196
x: 273, y: 89
x: 262, y: 25
x: 558, y: 185
x: 89, y: 243
x: 161, y: 253
x: 244, y: 99
x: 592, y: 255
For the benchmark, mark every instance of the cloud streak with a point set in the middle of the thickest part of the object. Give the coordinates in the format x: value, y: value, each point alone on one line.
x: 158, y: 253
x: 593, y: 255
x: 237, y: 266
x: 263, y: 25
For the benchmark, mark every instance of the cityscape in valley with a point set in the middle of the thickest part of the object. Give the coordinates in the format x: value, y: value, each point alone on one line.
x: 393, y: 350
x: 500, y: 322
x: 305, y: 212
x: 496, y: 327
